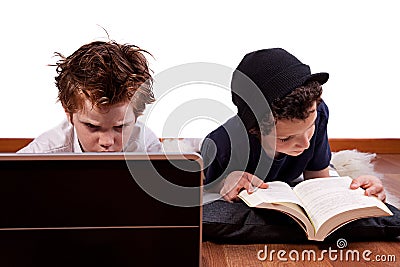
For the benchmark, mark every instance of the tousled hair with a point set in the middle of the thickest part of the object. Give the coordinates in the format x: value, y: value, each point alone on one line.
x: 294, y: 106
x: 105, y: 73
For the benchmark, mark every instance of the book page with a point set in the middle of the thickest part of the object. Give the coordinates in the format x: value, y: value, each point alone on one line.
x: 276, y: 192
x: 325, y: 197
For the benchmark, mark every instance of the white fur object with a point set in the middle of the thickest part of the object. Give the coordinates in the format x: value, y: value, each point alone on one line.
x: 353, y: 163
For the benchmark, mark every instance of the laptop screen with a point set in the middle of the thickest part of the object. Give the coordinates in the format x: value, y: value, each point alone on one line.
x: 63, y: 210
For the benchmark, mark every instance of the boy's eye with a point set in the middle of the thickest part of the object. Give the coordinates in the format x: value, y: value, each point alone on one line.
x: 284, y: 139
x: 91, y: 126
x: 122, y: 126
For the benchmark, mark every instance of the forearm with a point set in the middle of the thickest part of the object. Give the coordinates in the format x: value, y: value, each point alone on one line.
x: 316, y: 174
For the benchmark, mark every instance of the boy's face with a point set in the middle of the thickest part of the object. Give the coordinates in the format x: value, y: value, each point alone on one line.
x: 101, y: 130
x: 292, y: 136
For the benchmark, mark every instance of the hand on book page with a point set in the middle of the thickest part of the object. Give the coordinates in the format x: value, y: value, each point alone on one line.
x: 238, y: 180
x: 373, y: 186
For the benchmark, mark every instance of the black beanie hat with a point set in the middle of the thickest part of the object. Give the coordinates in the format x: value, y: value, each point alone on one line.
x: 274, y: 73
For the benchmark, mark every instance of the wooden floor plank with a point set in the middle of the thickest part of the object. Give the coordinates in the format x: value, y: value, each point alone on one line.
x: 387, y: 163
x: 391, y: 182
x: 213, y: 255
x: 307, y: 254
x: 239, y: 255
x: 393, y: 159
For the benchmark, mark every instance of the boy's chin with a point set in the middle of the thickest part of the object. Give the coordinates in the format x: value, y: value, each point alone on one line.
x: 295, y: 153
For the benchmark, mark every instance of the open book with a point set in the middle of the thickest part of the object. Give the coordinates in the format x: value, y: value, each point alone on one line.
x: 319, y: 205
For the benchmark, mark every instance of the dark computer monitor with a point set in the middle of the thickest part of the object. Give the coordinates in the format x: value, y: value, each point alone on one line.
x: 89, y: 210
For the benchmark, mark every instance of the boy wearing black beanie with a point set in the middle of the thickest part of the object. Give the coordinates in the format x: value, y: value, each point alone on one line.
x: 279, y: 133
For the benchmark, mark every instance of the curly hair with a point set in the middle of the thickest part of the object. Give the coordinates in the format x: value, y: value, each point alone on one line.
x: 295, y: 105
x: 106, y: 73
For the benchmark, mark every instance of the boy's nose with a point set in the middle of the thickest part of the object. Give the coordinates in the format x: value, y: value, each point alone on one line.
x: 304, y: 142
x: 106, y: 140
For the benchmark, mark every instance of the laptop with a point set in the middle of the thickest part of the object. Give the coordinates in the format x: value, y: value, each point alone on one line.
x: 108, y: 209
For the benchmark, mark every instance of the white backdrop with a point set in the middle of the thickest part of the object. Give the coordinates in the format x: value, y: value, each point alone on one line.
x: 355, y: 41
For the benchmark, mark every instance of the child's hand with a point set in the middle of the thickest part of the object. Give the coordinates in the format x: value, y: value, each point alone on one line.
x: 371, y: 184
x: 236, y: 181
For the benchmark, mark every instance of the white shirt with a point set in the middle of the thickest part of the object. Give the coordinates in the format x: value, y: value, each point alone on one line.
x: 63, y: 138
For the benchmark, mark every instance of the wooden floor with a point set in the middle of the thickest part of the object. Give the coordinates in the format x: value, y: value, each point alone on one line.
x: 383, y: 253
x: 389, y: 166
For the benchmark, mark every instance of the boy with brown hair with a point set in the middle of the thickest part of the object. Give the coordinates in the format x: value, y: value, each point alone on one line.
x: 103, y: 87
x: 279, y: 133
